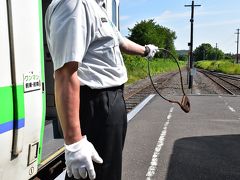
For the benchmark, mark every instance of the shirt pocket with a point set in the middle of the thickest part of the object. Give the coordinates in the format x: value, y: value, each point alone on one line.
x: 107, y: 43
x: 107, y: 33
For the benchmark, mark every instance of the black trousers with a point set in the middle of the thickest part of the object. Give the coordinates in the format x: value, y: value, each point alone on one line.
x: 103, y: 119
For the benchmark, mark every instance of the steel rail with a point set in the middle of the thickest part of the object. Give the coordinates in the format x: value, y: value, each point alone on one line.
x: 133, y: 99
x: 206, y: 73
x: 226, y: 76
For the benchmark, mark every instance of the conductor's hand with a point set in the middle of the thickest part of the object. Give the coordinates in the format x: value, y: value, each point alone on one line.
x: 150, y: 51
x: 79, y: 159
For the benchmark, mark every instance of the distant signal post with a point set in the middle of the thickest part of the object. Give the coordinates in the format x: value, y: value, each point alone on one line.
x: 237, y: 45
x: 190, y: 79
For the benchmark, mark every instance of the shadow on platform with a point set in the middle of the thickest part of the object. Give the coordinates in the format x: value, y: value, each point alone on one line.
x: 205, y: 158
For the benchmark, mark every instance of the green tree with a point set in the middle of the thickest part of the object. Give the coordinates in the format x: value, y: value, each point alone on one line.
x: 206, y: 52
x: 148, y: 32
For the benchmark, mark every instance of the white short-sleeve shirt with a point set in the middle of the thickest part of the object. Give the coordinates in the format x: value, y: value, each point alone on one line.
x: 79, y: 30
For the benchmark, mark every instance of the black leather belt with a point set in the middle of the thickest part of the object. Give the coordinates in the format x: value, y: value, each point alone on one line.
x: 88, y: 89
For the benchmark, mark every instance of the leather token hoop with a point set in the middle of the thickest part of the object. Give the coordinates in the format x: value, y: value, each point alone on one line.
x: 185, y: 103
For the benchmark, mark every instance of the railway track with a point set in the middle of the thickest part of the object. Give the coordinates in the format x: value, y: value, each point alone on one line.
x: 230, y: 84
x: 137, y: 95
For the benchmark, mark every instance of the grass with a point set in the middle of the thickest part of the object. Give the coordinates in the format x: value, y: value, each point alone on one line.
x: 137, y: 67
x: 224, y: 66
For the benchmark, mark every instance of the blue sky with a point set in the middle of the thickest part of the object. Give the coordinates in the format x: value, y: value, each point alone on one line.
x: 215, y: 21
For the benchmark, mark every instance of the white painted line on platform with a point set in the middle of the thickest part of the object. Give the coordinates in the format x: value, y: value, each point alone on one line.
x: 139, y: 107
x: 225, y: 120
x: 154, y: 163
x: 231, y: 109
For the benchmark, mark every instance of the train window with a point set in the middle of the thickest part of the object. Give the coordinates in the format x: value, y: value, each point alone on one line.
x: 114, y: 12
x: 118, y: 18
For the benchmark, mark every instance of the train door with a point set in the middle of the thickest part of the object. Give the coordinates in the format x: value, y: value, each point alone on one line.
x: 22, y: 96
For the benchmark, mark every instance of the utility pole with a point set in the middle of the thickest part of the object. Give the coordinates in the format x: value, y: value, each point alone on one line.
x: 216, y: 55
x: 237, y: 44
x: 190, y: 75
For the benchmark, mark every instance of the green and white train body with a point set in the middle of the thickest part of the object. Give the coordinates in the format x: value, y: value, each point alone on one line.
x: 22, y: 103
x: 24, y: 99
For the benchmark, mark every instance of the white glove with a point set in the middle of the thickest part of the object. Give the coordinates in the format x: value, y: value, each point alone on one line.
x: 150, y: 51
x: 79, y: 157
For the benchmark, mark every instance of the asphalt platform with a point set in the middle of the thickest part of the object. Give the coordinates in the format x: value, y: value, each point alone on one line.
x: 164, y: 143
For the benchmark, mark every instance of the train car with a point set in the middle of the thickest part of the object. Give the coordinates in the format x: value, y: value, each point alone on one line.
x: 22, y: 92
x: 26, y: 97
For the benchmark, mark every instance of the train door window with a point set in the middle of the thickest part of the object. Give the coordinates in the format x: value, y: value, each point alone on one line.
x: 114, y: 12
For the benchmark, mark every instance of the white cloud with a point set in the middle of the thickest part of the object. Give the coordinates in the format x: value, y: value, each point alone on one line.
x: 218, y: 23
x: 122, y: 18
x: 168, y: 15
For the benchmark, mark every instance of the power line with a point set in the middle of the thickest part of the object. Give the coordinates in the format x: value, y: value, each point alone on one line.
x: 190, y: 78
